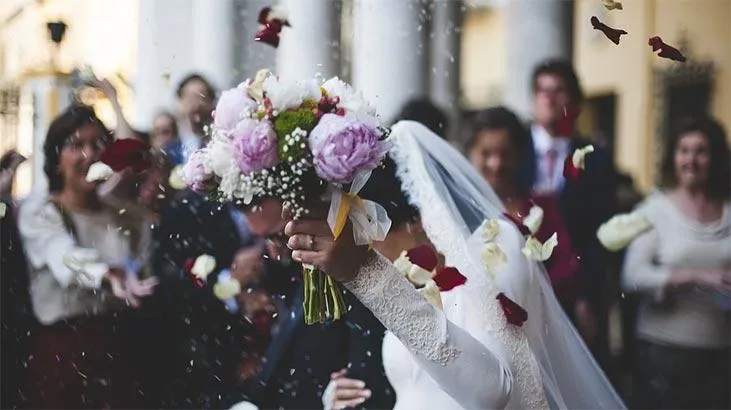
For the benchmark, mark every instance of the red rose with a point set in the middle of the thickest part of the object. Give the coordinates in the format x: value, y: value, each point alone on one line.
x: 424, y: 257
x: 515, y: 314
x: 448, y: 278
x: 518, y: 222
x: 127, y: 153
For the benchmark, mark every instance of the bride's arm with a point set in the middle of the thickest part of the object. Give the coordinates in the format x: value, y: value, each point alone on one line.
x: 473, y: 374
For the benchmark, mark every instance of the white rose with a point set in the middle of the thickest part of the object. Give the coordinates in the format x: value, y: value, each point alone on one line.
x: 490, y: 230
x: 99, y: 171
x: 619, y: 231
x: 203, y: 266
x: 430, y: 291
x: 493, y: 257
x: 176, y: 180
x: 579, y: 156
x: 534, y: 219
x: 226, y: 288
x: 537, y: 251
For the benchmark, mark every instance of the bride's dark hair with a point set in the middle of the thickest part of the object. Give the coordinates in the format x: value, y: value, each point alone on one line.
x: 384, y: 187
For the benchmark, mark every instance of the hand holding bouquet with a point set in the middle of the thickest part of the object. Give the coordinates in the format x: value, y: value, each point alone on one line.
x: 297, y: 141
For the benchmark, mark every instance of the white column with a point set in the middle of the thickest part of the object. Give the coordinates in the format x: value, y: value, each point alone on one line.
x: 445, y: 57
x: 390, y: 52
x: 213, y: 41
x: 537, y: 30
x: 312, y: 45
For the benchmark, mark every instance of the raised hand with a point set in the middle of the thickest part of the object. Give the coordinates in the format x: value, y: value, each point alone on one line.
x: 343, y: 393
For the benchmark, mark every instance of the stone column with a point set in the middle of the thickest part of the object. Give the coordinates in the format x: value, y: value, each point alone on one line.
x: 537, y: 30
x: 312, y: 45
x: 390, y: 51
x: 445, y: 38
x: 213, y: 41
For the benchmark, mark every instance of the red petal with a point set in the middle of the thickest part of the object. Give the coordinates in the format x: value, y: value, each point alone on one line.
x: 655, y: 42
x: 570, y: 172
x: 518, y: 223
x: 263, y: 15
x: 127, y: 153
x: 424, y: 257
x: 448, y: 278
x: 188, y: 265
x: 269, y: 34
x: 515, y: 314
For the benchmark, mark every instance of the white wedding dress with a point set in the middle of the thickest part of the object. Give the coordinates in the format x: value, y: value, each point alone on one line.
x: 468, y: 356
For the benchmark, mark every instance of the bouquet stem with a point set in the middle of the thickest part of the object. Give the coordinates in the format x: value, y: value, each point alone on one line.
x: 323, y: 301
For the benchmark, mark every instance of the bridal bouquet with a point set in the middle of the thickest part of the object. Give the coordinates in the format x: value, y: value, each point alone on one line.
x: 296, y: 141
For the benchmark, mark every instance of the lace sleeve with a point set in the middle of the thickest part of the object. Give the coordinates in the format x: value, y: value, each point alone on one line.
x: 473, y: 374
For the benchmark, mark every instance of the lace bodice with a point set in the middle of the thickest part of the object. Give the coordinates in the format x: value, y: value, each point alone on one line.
x: 474, y: 373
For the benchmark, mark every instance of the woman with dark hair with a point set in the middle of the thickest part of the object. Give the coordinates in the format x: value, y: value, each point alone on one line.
x: 79, y: 251
x: 463, y: 345
x: 683, y: 266
x: 495, y: 139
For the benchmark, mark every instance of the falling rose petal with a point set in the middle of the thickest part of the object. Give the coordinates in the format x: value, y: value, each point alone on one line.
x: 175, y: 180
x: 514, y: 313
x: 269, y: 34
x: 448, y: 278
x: 490, y: 230
x: 430, y: 291
x: 534, y: 219
x: 203, y: 266
x: 226, y: 288
x: 272, y: 20
x: 127, y: 153
x: 540, y: 252
x: 423, y: 256
x: 99, y: 171
x: 666, y: 50
x: 612, y: 5
x: 574, y: 164
x: 612, y: 34
x: 565, y: 125
x: 188, y: 265
x: 518, y: 223
x: 414, y: 273
x: 493, y: 257
x: 621, y: 230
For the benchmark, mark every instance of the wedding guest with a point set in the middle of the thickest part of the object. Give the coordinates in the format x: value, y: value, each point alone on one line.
x: 495, y: 139
x: 425, y: 112
x: 585, y: 204
x: 683, y: 268
x: 78, y: 251
x: 196, y: 100
x: 164, y: 130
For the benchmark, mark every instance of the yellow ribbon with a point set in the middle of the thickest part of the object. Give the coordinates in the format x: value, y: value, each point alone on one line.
x: 347, y: 201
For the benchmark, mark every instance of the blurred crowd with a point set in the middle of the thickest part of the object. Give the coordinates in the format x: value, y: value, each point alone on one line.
x: 100, y: 309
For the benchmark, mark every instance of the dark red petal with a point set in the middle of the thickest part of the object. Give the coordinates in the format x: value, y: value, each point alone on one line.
x: 515, y: 314
x: 570, y: 172
x: 268, y: 35
x: 263, y: 15
x: 127, y: 153
x: 448, y: 278
x: 424, y: 257
x: 518, y: 223
x: 655, y: 42
x: 188, y: 265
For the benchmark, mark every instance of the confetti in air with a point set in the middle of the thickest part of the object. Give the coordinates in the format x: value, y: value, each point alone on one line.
x: 272, y: 20
x: 612, y: 34
x: 612, y: 5
x: 666, y: 50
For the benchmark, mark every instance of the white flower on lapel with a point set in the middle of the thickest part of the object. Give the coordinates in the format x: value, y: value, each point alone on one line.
x: 99, y: 171
x: 176, y: 180
x: 619, y: 231
x: 203, y: 266
x: 534, y: 219
x: 537, y: 251
x: 493, y: 257
x: 579, y: 156
x: 490, y: 230
x: 414, y: 273
x: 431, y: 292
x: 226, y: 288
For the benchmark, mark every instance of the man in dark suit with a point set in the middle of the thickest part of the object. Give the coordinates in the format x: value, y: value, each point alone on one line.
x: 586, y: 203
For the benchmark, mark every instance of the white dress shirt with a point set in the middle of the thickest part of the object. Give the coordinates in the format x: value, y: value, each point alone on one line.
x: 549, y: 180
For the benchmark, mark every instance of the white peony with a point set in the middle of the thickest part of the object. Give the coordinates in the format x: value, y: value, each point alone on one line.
x: 430, y: 291
x: 351, y: 101
x: 534, y: 219
x: 219, y: 159
x: 490, y: 229
x: 579, y: 156
x: 226, y: 288
x: 619, y: 231
x: 203, y: 266
x: 290, y: 94
x: 493, y: 257
x: 99, y: 171
x: 537, y: 251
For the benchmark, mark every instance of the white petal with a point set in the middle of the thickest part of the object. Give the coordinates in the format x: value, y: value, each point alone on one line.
x: 621, y: 230
x: 176, y: 180
x: 534, y: 219
x: 493, y: 257
x: 418, y: 276
x: 430, y: 291
x: 490, y: 230
x: 579, y: 156
x: 203, y: 266
x: 226, y: 288
x: 540, y: 252
x: 99, y: 171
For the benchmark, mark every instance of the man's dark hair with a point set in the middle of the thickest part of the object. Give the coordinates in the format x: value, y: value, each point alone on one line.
x: 425, y: 112
x: 496, y: 119
x: 565, y: 71
x: 196, y: 77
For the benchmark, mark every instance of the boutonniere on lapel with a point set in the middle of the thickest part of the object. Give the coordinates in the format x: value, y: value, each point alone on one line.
x: 119, y: 155
x: 198, y: 269
x: 529, y: 225
x: 575, y: 163
x: 419, y: 266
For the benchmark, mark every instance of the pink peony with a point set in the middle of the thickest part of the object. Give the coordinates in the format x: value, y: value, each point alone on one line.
x: 194, y: 172
x: 343, y: 146
x: 255, y: 145
x: 232, y: 107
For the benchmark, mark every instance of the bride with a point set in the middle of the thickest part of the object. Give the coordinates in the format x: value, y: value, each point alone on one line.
x: 466, y: 354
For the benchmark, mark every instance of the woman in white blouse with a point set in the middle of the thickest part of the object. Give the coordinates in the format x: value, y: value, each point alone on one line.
x: 79, y: 253
x: 683, y: 265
